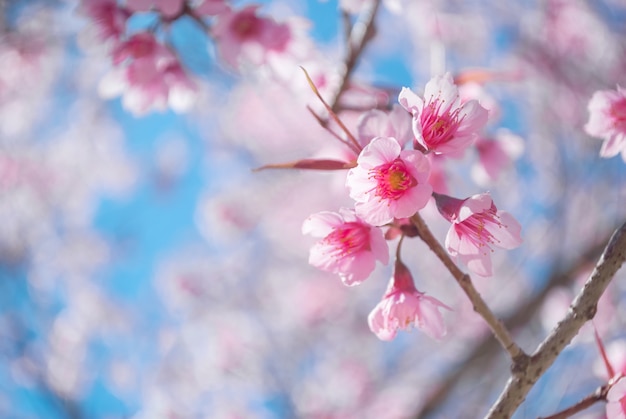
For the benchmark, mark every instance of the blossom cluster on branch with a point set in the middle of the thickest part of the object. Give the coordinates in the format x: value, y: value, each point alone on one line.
x: 147, y: 272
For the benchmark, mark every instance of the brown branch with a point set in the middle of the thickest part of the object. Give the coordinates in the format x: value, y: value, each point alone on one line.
x: 587, y: 402
x: 500, y: 332
x: 523, y: 313
x: 582, y: 309
x: 359, y: 35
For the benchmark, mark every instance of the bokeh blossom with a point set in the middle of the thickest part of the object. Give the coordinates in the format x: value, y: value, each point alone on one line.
x: 389, y: 182
x: 477, y: 226
x: 148, y: 76
x: 108, y: 18
x: 441, y: 123
x: 607, y: 120
x: 349, y: 247
x: 404, y: 306
x: 242, y: 35
x: 169, y: 8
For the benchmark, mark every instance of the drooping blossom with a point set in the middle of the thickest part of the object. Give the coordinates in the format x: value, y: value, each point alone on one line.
x: 607, y: 120
x: 388, y: 182
x: 616, y: 401
x: 441, y: 123
x: 243, y: 36
x: 403, y: 306
x: 349, y: 246
x: 477, y: 226
x: 149, y: 76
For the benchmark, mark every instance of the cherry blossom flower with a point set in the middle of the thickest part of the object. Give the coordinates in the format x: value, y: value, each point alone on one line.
x: 616, y: 401
x: 152, y: 78
x: 403, y: 306
x: 607, y: 120
x: 168, y: 8
x: 377, y: 123
x: 210, y: 7
x: 441, y: 123
x: 495, y: 155
x: 108, y: 18
x: 349, y: 246
x: 242, y: 35
x: 389, y: 182
x: 477, y: 225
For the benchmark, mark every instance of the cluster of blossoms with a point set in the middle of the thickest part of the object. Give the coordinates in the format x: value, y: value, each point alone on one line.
x: 147, y: 72
x: 390, y: 182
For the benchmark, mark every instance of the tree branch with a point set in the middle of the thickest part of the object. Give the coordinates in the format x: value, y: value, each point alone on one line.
x: 582, y: 309
x: 520, y: 316
x: 359, y: 35
x: 500, y: 332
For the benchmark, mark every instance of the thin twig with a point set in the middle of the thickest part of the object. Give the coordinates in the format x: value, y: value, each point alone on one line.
x: 354, y: 143
x: 582, y: 309
x: 597, y: 396
x: 356, y: 41
x: 500, y: 332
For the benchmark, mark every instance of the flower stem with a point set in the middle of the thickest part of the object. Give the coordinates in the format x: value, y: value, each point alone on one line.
x: 465, y: 282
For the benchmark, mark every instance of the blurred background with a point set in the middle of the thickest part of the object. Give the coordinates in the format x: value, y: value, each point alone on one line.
x: 147, y: 272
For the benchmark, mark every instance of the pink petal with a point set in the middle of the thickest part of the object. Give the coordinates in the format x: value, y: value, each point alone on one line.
x: 509, y: 235
x: 321, y: 224
x: 374, y: 212
x: 410, y: 101
x: 474, y: 205
x: 380, y: 151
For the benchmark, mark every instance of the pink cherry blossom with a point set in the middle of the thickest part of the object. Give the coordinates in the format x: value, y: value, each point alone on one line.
x: 403, y: 305
x: 349, y: 246
x: 477, y: 225
x: 495, y: 155
x: 441, y: 123
x: 389, y: 182
x: 168, y: 8
x: 210, y: 7
x: 242, y: 35
x: 607, y: 120
x: 616, y: 401
x: 109, y: 19
x: 377, y: 123
x: 149, y: 76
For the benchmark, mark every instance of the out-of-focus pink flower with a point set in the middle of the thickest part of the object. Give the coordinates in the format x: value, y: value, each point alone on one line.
x: 152, y: 79
x: 616, y: 401
x: 244, y: 35
x: 349, y: 246
x: 168, y: 8
x: 494, y: 155
x: 108, y: 17
x: 440, y: 122
x: 389, y: 182
x: 377, y: 123
x: 403, y: 306
x: 210, y: 7
x: 477, y: 225
x: 607, y: 120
